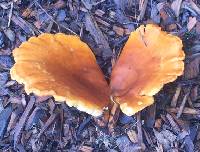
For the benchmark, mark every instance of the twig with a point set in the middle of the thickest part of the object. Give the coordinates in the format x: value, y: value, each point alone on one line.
x: 176, y: 95
x: 180, y: 111
x: 190, y: 102
x: 176, y: 5
x: 186, y: 110
x: 10, y: 14
x: 142, y: 12
x: 114, y: 115
x: 139, y: 130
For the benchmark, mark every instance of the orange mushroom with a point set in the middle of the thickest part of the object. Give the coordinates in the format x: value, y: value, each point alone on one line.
x: 149, y: 59
x: 62, y: 66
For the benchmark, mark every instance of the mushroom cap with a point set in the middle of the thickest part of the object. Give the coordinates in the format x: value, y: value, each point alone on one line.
x: 149, y: 59
x: 62, y: 66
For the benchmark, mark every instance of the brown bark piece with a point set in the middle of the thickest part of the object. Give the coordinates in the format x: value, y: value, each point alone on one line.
x: 98, y: 36
x: 176, y: 95
x: 19, y: 127
x: 114, y: 115
x: 120, y: 31
x: 47, y: 124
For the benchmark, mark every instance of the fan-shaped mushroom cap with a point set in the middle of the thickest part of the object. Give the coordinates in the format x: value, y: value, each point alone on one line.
x: 62, y: 66
x: 149, y: 59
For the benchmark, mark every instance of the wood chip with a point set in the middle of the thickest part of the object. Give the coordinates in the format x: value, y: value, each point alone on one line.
x: 139, y: 130
x: 47, y: 124
x: 194, y: 93
x: 192, y: 68
x: 191, y: 23
x: 86, y: 149
x: 120, y: 31
x: 59, y: 4
x: 186, y: 110
x: 99, y: 38
x: 102, y: 121
x: 99, y: 20
x: 194, y: 6
x: 198, y: 27
x: 132, y: 136
x: 25, y: 26
x: 182, y: 104
x: 158, y: 123
x: 114, y: 115
x: 99, y: 12
x: 176, y: 5
x: 176, y: 95
x: 143, y: 6
x: 173, y: 123
x: 150, y: 115
x: 20, y: 125
x: 147, y: 137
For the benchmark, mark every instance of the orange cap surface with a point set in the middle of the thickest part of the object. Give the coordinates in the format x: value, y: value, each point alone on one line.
x: 62, y: 66
x: 149, y: 59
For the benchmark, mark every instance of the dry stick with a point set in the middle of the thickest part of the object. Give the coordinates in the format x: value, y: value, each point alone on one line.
x: 190, y: 102
x: 114, y: 115
x: 19, y: 127
x: 186, y: 110
x: 176, y: 5
x: 139, y: 129
x: 142, y: 12
x: 175, y: 97
x: 141, y: 2
x: 10, y: 14
x: 147, y: 137
x: 180, y: 111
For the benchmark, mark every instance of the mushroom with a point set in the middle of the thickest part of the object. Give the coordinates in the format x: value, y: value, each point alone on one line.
x: 62, y: 66
x: 149, y: 59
